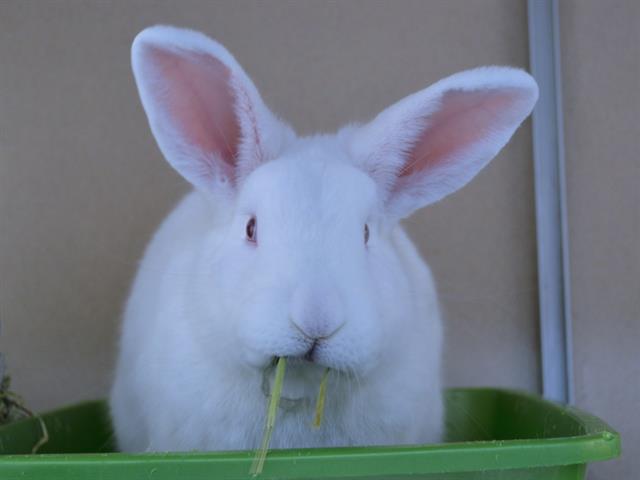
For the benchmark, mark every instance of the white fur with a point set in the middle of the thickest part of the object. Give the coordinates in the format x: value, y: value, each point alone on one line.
x: 209, y: 310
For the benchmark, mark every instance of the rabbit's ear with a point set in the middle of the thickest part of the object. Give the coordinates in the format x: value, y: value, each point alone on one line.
x: 433, y: 142
x: 205, y: 113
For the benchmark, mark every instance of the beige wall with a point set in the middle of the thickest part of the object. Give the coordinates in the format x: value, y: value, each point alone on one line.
x: 82, y: 184
x: 601, y: 61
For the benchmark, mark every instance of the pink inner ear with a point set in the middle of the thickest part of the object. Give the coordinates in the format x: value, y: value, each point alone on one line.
x: 463, y: 119
x: 196, y: 96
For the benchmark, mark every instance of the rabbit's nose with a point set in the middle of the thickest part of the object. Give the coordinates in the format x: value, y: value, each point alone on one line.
x: 317, y: 313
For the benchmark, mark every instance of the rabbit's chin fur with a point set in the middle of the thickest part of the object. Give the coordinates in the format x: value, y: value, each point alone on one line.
x: 202, y: 327
x: 292, y: 247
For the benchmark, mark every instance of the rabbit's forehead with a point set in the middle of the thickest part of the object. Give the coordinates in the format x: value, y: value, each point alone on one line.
x: 301, y: 186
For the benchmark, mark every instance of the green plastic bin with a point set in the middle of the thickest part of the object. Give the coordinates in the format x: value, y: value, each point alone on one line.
x: 491, y: 434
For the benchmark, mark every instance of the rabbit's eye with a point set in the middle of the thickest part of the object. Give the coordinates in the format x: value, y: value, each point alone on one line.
x: 252, y: 230
x: 366, y: 233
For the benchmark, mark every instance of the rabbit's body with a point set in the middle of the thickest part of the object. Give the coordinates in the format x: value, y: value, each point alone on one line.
x: 292, y: 247
x: 184, y: 396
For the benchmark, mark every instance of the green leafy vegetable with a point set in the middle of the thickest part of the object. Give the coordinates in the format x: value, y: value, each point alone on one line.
x: 12, y: 407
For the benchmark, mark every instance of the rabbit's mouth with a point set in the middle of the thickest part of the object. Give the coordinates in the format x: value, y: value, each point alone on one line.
x: 299, y: 361
x: 300, y: 386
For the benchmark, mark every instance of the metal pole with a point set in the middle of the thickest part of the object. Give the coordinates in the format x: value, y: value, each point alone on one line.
x: 550, y: 198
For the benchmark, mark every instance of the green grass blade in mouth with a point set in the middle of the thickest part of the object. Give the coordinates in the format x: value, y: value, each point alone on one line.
x: 317, y: 421
x: 274, y: 400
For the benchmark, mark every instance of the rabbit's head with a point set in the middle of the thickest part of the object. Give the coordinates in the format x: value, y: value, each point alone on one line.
x: 300, y: 259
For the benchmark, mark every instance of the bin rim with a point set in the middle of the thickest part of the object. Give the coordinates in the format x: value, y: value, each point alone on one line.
x: 598, y: 442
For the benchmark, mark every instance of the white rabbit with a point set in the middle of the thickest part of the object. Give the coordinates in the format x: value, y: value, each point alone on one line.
x: 292, y: 247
